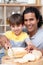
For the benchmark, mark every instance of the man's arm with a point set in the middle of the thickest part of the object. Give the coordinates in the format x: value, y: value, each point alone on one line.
x: 32, y: 47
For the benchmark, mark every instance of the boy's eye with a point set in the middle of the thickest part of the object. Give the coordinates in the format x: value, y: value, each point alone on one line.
x: 25, y: 19
x: 13, y: 25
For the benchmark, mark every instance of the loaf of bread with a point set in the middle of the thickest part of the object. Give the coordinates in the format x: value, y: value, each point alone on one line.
x: 22, y: 55
x: 26, y: 58
x: 37, y: 54
x: 33, y: 56
x: 16, y: 52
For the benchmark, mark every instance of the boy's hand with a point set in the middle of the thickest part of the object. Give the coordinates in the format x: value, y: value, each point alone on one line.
x: 7, y: 46
x: 4, y: 41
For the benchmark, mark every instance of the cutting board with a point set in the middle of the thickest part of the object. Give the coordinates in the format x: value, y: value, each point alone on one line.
x: 7, y: 60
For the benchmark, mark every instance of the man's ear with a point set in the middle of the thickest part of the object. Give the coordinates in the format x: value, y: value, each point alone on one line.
x: 37, y: 20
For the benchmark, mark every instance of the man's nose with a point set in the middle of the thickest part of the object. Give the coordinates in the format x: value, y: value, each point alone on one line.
x: 28, y: 22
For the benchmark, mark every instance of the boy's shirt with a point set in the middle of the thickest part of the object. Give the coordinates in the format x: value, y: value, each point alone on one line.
x: 17, y: 41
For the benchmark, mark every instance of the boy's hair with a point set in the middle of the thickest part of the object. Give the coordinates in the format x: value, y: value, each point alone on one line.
x: 15, y: 19
x: 36, y: 12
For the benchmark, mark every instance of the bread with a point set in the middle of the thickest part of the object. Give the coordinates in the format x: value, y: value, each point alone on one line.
x: 10, y: 52
x: 17, y: 52
x: 22, y: 55
x: 6, y: 60
x: 29, y: 57
x: 26, y: 58
x: 37, y: 54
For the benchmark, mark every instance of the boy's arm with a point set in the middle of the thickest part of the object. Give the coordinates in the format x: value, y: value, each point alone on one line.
x: 4, y: 41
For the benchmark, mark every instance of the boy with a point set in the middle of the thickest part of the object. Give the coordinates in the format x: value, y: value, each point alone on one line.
x: 15, y: 35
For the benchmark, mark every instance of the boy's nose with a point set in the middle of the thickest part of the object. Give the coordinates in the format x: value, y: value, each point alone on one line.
x: 16, y: 27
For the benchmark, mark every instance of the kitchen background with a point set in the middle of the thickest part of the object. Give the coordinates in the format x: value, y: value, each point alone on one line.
x: 8, y: 7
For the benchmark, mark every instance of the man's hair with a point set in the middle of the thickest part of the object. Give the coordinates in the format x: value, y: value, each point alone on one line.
x: 36, y: 12
x: 15, y: 19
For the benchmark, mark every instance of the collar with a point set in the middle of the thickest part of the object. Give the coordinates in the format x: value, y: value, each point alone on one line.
x: 38, y: 31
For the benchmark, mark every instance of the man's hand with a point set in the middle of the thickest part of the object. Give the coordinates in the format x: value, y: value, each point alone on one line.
x: 30, y: 48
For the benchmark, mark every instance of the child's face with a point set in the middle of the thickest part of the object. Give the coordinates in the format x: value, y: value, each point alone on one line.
x: 17, y: 29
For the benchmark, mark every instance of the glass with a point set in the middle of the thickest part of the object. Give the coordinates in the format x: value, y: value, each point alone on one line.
x: 7, y: 28
x: 31, y: 1
x: 10, y: 1
x: 1, y: 15
x: 1, y: 1
x: 41, y: 2
x: 10, y: 11
x: 1, y: 29
x: 27, y: 1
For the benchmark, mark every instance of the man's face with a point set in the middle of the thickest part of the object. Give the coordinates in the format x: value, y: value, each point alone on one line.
x: 30, y: 21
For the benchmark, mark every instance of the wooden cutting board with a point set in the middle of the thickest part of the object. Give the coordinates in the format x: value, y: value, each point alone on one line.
x: 7, y: 60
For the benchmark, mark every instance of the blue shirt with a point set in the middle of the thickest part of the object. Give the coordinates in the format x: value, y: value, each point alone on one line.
x: 37, y: 39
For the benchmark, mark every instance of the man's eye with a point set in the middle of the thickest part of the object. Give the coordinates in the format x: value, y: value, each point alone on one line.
x: 18, y: 25
x: 31, y: 19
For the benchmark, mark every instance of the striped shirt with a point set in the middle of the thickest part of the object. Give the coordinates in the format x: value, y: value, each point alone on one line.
x: 37, y: 39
